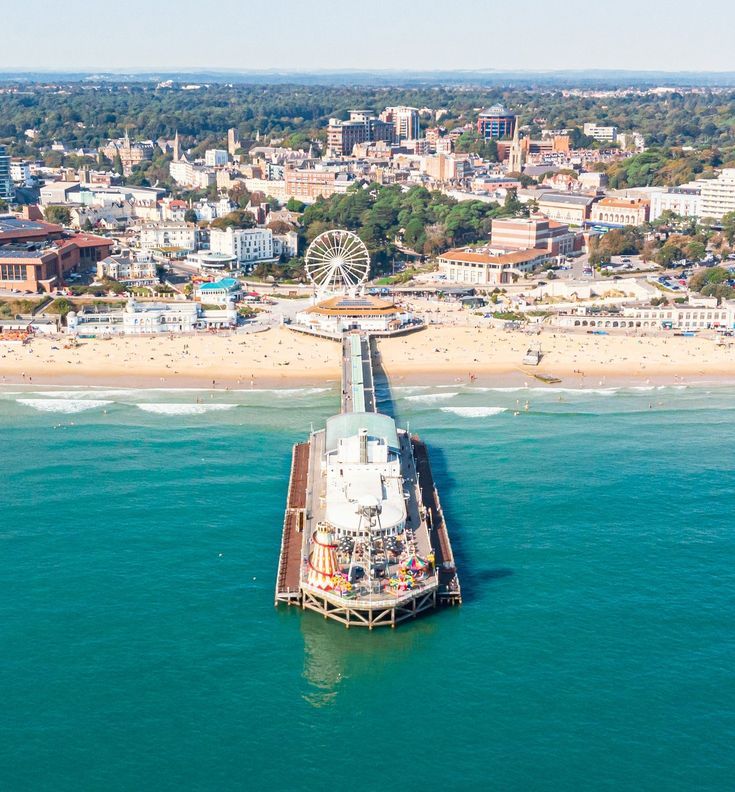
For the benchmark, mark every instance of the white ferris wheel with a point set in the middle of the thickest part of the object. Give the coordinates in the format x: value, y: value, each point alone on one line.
x: 337, y: 262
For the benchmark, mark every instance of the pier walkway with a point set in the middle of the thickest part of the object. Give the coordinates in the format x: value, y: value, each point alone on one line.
x: 358, y: 388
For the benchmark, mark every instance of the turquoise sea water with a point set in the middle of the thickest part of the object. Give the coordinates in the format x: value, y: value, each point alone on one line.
x: 140, y: 649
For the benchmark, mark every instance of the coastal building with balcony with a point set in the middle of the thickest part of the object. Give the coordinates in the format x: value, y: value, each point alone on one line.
x: 247, y: 246
x: 489, y: 267
x: 129, y: 270
x: 169, y: 238
x: 149, y: 318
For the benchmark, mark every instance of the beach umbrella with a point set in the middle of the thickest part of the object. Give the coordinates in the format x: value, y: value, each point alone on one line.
x: 322, y: 558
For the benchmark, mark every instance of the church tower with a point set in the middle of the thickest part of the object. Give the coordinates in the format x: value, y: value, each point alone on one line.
x: 515, y: 154
x: 177, y: 147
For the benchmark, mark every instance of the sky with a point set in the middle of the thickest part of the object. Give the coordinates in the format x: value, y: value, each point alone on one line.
x: 423, y: 35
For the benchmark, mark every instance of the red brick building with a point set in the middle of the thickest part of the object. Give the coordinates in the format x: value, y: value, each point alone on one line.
x: 35, y: 255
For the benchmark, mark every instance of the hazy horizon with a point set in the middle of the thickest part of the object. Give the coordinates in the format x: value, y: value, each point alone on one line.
x: 297, y: 37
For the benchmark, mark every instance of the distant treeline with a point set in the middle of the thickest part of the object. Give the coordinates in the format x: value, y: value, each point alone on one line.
x: 85, y: 114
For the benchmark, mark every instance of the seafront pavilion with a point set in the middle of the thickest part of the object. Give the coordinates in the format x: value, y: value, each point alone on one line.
x: 364, y: 539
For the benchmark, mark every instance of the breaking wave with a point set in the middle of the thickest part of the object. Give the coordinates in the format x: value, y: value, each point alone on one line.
x: 474, y: 412
x: 171, y: 408
x: 64, y: 405
x: 431, y: 397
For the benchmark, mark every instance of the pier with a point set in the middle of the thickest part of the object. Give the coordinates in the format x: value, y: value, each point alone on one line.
x: 364, y: 540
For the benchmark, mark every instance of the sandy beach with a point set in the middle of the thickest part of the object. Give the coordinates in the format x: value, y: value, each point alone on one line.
x: 435, y: 355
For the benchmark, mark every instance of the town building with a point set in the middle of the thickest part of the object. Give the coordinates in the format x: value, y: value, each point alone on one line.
x: 679, y: 316
x: 361, y: 127
x: 247, y: 245
x: 447, y: 167
x: 128, y: 269
x: 221, y: 292
x: 538, y: 149
x: 20, y: 171
x: 35, y: 255
x: 308, y: 184
x: 212, y: 263
x: 605, y: 134
x: 215, y: 158
x: 29, y: 268
x: 496, y: 123
x: 405, y: 120
x: 130, y: 153
x: 336, y: 315
x: 685, y: 201
x: 619, y: 212
x: 15, y: 229
x: 718, y: 195
x: 7, y: 190
x: 188, y: 174
x: 489, y: 267
x: 533, y: 233
x: 146, y: 318
x: 286, y: 245
x: 574, y: 210
x: 171, y: 238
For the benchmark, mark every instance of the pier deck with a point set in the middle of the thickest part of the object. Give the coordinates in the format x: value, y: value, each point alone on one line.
x: 306, y: 508
x: 289, y: 567
x: 449, y: 589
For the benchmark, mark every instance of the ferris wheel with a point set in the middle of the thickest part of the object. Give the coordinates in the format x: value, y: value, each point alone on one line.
x: 337, y: 261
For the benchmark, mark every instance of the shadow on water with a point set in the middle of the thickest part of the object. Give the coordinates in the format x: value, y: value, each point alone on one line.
x: 472, y: 579
x: 384, y: 402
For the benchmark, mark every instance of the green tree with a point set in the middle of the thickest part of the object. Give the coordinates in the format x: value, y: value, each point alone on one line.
x: 190, y: 216
x: 236, y: 219
x: 708, y: 277
x: 58, y: 214
x: 695, y: 250
x: 294, y: 205
x: 728, y: 227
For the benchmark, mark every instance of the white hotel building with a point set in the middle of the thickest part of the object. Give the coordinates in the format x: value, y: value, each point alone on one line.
x: 718, y: 195
x: 169, y: 236
x: 247, y: 245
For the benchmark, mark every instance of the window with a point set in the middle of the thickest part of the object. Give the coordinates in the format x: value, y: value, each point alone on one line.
x: 13, y: 272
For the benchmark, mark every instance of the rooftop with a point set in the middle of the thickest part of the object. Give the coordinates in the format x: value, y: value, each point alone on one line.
x: 486, y: 256
x: 576, y: 200
x: 354, y: 306
x: 224, y: 283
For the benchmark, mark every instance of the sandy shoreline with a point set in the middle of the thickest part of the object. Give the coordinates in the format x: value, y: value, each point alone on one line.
x: 435, y: 356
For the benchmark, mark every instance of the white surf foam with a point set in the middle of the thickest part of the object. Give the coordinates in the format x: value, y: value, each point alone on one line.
x: 474, y: 412
x: 64, y: 405
x: 171, y: 408
x: 431, y: 397
x: 93, y: 394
